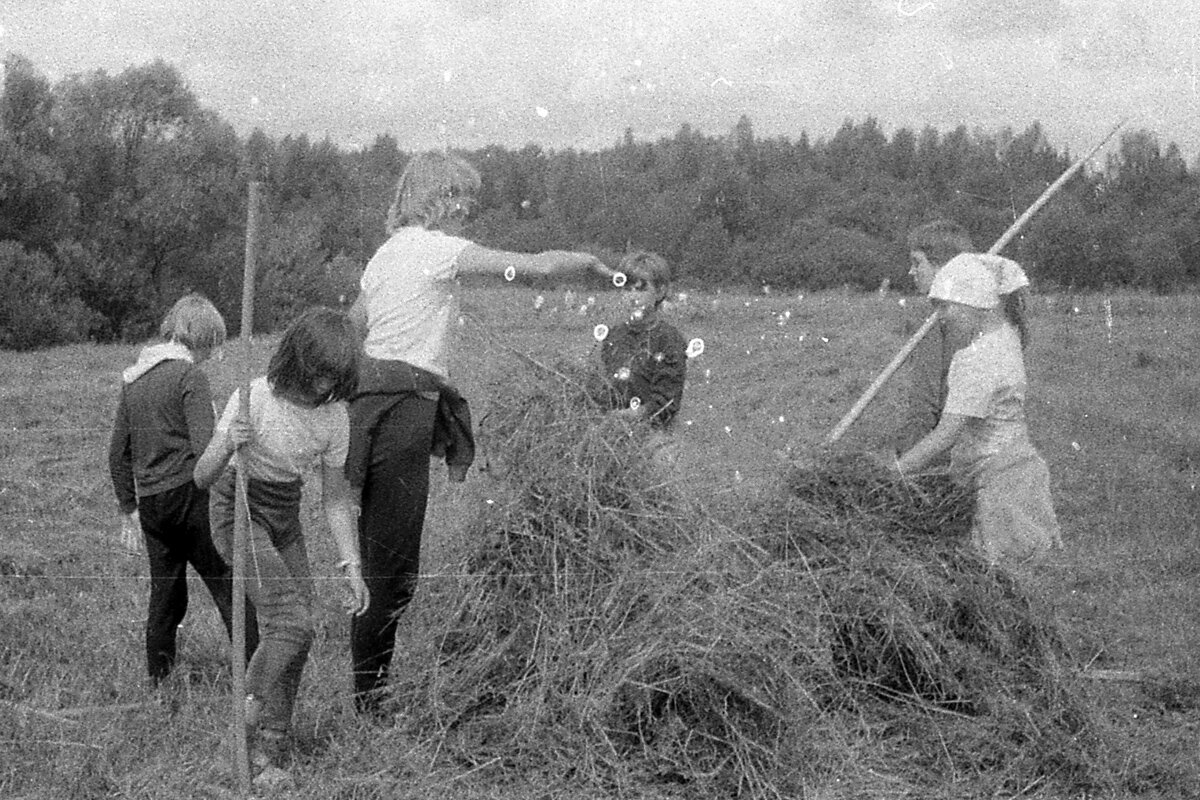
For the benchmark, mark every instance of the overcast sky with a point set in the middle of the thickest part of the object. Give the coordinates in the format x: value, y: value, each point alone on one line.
x: 467, y: 73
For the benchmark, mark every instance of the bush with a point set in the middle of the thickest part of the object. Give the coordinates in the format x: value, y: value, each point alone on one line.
x: 36, y: 306
x: 120, y: 303
x: 814, y: 255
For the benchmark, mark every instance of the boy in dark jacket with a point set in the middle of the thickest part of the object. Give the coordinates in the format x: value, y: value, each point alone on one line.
x: 645, y: 357
x: 164, y: 421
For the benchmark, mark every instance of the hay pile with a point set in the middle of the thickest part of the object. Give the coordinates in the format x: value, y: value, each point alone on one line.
x: 830, y: 633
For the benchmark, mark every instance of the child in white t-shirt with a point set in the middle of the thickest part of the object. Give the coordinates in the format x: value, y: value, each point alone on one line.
x: 407, y: 312
x: 981, y: 298
x: 298, y: 424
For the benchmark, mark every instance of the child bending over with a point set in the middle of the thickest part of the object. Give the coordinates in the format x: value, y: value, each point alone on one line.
x: 298, y: 422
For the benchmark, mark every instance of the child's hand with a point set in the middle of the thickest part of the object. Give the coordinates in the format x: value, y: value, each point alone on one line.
x: 570, y: 259
x: 887, y: 462
x: 360, y: 597
x: 240, y: 433
x: 131, y: 534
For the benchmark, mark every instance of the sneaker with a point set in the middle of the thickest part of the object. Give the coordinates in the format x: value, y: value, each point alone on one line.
x: 269, y: 748
x: 371, y: 706
x: 272, y: 780
x: 270, y: 757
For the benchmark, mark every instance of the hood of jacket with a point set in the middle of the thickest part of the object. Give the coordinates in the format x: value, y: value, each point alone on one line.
x: 153, y: 355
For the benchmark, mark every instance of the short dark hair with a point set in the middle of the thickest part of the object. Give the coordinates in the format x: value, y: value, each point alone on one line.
x: 940, y: 240
x: 1015, y: 306
x: 647, y: 266
x: 320, y: 343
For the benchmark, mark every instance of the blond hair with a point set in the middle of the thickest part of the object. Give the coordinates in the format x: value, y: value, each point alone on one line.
x: 194, y: 322
x: 433, y: 187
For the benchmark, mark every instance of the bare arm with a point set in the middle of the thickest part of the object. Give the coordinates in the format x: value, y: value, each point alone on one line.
x: 340, y: 513
x: 214, y: 459
x: 552, y: 263
x: 933, y: 444
x: 221, y: 446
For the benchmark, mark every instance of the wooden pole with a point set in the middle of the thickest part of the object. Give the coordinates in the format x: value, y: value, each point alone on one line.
x: 241, y: 516
x: 857, y: 409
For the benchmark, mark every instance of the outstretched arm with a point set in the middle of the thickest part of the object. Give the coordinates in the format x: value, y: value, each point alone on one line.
x: 551, y: 263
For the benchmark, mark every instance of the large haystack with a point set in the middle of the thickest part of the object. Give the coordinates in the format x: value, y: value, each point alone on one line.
x: 833, y: 632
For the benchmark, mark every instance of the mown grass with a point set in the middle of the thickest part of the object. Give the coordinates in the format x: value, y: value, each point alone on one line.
x: 1109, y: 410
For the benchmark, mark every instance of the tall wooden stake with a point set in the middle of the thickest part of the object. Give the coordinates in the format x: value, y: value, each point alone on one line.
x: 241, y: 516
x: 857, y: 409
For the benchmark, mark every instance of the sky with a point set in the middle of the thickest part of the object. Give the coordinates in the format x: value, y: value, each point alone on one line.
x: 469, y: 73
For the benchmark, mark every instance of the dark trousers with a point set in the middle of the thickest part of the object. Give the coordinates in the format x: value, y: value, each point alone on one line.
x: 395, y: 494
x: 175, y: 524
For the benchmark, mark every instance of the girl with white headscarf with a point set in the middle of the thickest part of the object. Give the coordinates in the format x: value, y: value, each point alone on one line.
x: 981, y: 298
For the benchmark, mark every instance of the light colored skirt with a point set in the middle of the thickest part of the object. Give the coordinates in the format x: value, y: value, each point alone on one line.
x: 1014, y: 515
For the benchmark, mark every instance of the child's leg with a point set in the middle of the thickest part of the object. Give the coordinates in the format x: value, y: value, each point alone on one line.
x: 394, y: 499
x: 168, y: 581
x: 293, y: 629
x: 286, y: 592
x: 212, y: 568
x: 278, y: 581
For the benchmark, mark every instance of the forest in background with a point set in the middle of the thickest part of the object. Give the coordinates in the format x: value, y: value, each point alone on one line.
x: 119, y: 192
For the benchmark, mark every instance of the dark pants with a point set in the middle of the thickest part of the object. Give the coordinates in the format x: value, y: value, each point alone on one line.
x: 395, y: 493
x: 175, y: 524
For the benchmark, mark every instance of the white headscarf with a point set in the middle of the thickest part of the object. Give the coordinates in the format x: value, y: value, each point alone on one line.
x: 977, y: 280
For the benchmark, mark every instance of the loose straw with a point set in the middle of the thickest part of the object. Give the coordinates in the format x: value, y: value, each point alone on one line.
x: 241, y: 517
x: 856, y: 411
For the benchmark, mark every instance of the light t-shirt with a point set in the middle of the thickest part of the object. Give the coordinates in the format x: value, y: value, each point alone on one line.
x: 408, y: 293
x: 987, y: 383
x: 289, y: 440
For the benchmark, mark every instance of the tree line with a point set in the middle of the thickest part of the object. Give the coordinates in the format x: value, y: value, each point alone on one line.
x: 119, y: 192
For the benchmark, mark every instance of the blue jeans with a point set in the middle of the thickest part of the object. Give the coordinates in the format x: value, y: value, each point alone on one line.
x: 279, y: 582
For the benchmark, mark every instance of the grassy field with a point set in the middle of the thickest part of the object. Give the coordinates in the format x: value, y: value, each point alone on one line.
x: 1113, y: 396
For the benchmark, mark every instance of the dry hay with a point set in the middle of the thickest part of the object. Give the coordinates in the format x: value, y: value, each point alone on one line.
x: 833, y: 632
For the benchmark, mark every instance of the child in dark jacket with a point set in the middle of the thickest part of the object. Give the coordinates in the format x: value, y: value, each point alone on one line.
x: 930, y: 246
x: 644, y: 357
x: 164, y: 421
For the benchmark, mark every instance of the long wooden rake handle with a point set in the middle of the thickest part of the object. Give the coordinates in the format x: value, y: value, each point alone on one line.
x: 241, y: 516
x: 867, y: 396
